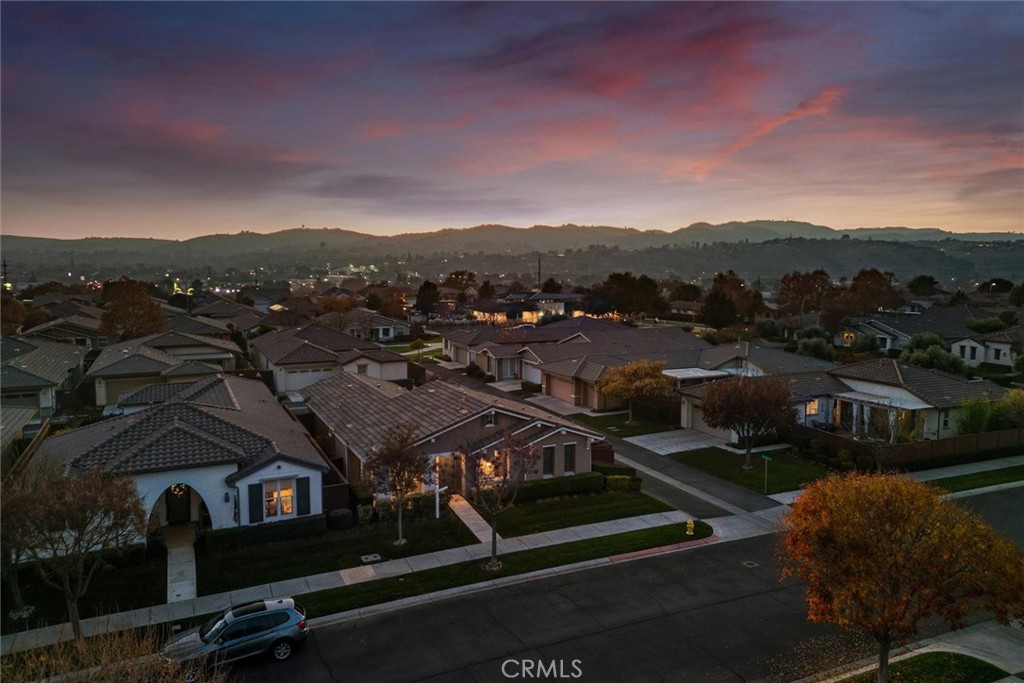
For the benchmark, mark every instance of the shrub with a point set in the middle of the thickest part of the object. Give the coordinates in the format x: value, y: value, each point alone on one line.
x: 422, y: 506
x: 834, y: 463
x: 622, y: 483
x: 845, y: 455
x: 488, y: 378
x: 360, y: 494
x: 386, y: 510
x: 818, y: 447
x: 587, y: 482
x: 865, y: 463
x: 340, y: 519
x: 531, y: 387
x: 364, y: 513
x: 307, y: 526
x: 847, y: 466
x: 473, y: 370
x: 610, y: 470
x: 446, y: 358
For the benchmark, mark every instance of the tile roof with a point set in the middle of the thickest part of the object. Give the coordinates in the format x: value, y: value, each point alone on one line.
x: 151, y: 393
x: 361, y: 411
x: 90, y: 325
x: 945, y: 321
x: 191, y: 430
x: 772, y: 361
x: 197, y: 324
x: 37, y: 363
x: 145, y: 355
x: 309, y: 343
x: 938, y: 389
x: 191, y: 367
x: 379, y: 355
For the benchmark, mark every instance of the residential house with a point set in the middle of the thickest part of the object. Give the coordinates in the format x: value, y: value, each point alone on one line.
x: 221, y: 452
x: 75, y: 329
x: 33, y: 371
x: 356, y: 413
x: 199, y: 324
x: 164, y: 357
x: 894, y: 331
x: 526, y: 307
x: 363, y: 323
x: 881, y: 398
x: 995, y: 348
x: 299, y: 356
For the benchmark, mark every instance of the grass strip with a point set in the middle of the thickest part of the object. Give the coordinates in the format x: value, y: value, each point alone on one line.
x: 936, y: 667
x: 431, y: 580
x: 222, y: 570
x: 785, y: 471
x: 977, y: 480
x: 617, y: 425
x: 559, y: 513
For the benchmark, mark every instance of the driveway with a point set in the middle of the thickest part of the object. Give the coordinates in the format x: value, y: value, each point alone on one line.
x: 675, y: 441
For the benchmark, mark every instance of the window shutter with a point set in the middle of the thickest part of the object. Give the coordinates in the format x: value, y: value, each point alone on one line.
x: 302, y: 490
x: 255, y: 503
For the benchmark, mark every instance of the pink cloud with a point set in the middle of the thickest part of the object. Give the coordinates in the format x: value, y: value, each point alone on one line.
x: 821, y: 104
x: 146, y: 118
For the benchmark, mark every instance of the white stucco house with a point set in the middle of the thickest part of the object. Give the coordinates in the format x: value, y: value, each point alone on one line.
x: 995, y: 348
x: 220, y: 453
x: 303, y: 355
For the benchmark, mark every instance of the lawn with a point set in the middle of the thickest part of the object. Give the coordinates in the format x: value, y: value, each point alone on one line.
x: 134, y: 581
x: 966, y: 482
x: 384, y: 590
x: 936, y: 667
x: 558, y: 513
x: 616, y: 425
x: 223, y: 570
x: 785, y: 472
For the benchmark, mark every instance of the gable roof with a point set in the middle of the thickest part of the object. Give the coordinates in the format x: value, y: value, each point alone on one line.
x: 945, y: 321
x: 361, y: 411
x: 197, y: 324
x: 145, y: 355
x: 772, y: 361
x: 938, y: 389
x: 219, y: 420
x: 87, y: 325
x: 37, y: 363
x: 309, y: 343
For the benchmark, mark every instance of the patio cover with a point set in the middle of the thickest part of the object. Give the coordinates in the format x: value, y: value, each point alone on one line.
x: 903, y: 402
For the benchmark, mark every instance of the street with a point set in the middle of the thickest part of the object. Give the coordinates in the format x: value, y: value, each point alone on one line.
x: 717, y: 613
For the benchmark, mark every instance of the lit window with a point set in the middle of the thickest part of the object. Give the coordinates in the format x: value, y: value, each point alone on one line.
x: 811, y: 407
x: 278, y: 495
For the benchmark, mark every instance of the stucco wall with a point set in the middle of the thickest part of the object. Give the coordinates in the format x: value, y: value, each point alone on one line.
x: 206, y: 482
x: 281, y: 470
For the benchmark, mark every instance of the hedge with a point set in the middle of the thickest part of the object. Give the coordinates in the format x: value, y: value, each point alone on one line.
x: 610, y: 470
x: 622, y: 483
x: 360, y: 494
x: 306, y: 526
x: 587, y: 482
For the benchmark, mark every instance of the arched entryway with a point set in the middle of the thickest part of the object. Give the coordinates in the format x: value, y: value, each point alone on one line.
x: 180, y: 504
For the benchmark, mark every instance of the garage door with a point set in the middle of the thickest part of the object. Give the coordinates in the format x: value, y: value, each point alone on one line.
x: 560, y: 388
x: 698, y: 424
x: 531, y: 373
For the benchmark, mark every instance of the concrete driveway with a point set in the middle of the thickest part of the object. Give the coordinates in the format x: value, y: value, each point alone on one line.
x: 676, y: 440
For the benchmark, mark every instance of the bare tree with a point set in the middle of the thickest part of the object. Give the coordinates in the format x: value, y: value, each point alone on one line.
x: 69, y: 522
x: 748, y: 406
x: 492, y: 478
x: 397, y: 468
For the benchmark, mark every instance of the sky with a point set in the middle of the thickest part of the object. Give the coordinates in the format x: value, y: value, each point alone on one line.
x: 178, y: 119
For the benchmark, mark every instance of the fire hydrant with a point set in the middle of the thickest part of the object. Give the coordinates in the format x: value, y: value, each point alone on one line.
x: 689, y: 527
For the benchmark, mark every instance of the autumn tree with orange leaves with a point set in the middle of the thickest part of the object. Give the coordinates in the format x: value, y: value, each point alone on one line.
x: 884, y: 553
x: 637, y: 379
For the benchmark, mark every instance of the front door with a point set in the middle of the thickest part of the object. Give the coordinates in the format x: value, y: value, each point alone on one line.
x: 179, y: 504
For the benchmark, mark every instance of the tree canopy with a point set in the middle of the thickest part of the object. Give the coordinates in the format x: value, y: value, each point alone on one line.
x: 886, y: 552
x: 397, y: 468
x: 427, y: 297
x: 637, y: 379
x: 130, y: 310
x: 800, y: 293
x: 748, y: 406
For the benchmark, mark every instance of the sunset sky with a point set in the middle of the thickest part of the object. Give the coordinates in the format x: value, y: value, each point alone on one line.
x: 181, y: 119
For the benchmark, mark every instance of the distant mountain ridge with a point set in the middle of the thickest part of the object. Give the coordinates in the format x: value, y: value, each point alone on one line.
x: 499, y: 249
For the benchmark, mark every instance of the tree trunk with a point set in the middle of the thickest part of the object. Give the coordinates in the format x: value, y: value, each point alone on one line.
x: 401, y: 538
x: 494, y: 543
x: 883, y: 659
x: 750, y: 446
x: 629, y: 403
x: 76, y: 622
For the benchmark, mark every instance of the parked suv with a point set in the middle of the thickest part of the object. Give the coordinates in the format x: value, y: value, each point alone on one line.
x: 275, y: 625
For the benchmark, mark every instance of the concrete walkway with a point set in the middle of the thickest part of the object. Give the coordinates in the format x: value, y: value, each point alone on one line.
x: 181, y: 562
x: 471, y: 518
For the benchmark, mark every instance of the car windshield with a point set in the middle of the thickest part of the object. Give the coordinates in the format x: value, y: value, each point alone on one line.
x: 211, y: 628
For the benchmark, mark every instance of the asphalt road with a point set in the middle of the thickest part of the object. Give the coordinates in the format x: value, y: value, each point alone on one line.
x: 717, y: 613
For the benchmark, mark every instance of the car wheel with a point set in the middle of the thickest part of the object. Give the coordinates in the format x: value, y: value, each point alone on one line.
x: 282, y: 650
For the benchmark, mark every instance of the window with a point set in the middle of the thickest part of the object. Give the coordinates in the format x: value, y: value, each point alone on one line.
x: 944, y: 419
x: 997, y: 354
x: 490, y: 419
x: 362, y: 368
x: 278, y: 496
x: 963, y: 351
x: 974, y: 352
x: 569, y: 456
x: 811, y: 407
x: 549, y: 460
